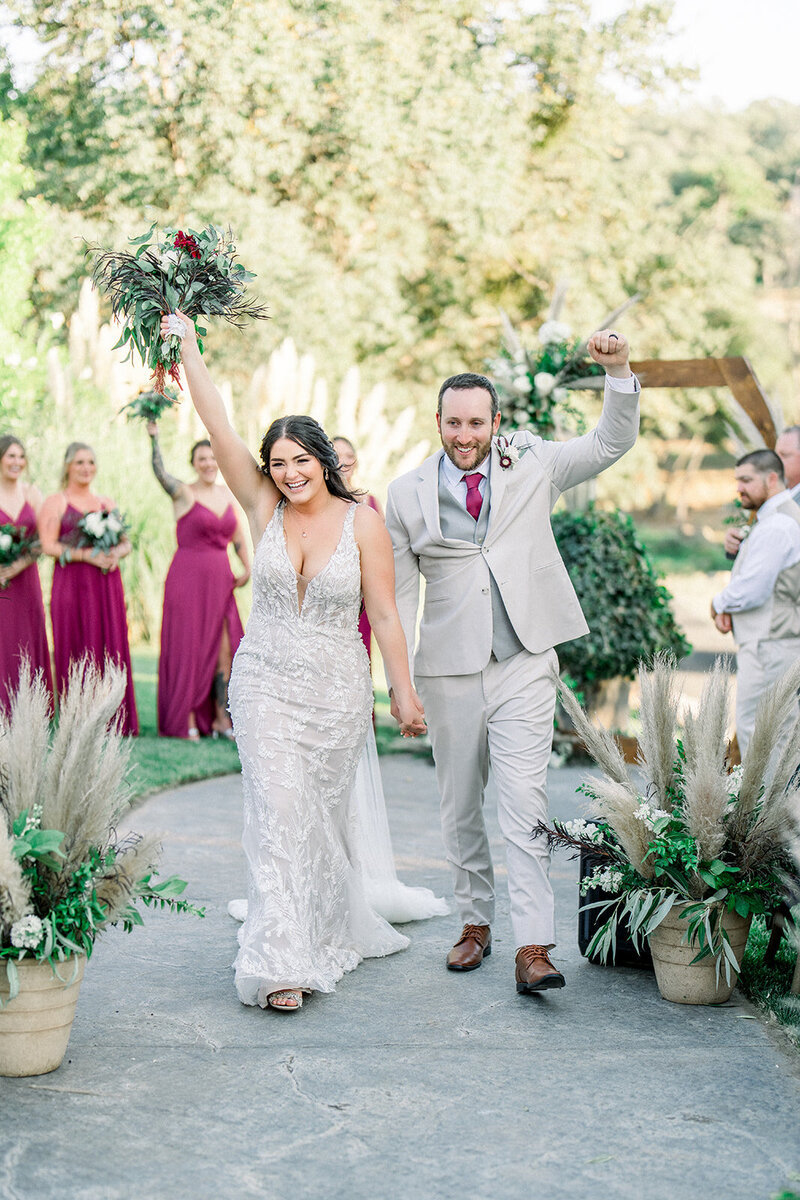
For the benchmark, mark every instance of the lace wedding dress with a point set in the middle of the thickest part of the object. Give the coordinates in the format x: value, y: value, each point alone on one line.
x: 315, y: 834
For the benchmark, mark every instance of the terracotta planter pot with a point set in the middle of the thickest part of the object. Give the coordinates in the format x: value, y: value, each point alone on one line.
x: 678, y: 978
x: 35, y: 1026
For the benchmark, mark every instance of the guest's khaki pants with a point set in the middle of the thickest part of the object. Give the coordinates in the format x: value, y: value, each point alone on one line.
x: 502, y: 716
x: 759, y: 664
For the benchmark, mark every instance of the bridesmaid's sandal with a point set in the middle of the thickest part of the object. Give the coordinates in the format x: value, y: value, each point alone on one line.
x: 223, y: 733
x: 274, y: 998
x: 193, y: 734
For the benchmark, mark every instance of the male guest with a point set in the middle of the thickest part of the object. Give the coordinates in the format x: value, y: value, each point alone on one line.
x: 762, y: 601
x: 474, y: 521
x: 787, y: 449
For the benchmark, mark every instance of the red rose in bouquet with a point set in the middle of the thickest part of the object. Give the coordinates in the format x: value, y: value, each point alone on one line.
x: 196, y: 272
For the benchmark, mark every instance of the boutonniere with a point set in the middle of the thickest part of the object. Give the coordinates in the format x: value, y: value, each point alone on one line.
x: 509, y: 455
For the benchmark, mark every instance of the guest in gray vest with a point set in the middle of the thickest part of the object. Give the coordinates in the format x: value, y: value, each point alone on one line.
x: 761, y: 604
x: 787, y: 449
x: 474, y: 522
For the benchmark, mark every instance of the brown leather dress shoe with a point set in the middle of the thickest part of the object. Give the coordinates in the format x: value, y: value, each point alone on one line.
x: 535, y: 972
x: 474, y: 945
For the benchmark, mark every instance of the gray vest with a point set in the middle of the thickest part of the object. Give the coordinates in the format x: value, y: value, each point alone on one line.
x: 456, y: 523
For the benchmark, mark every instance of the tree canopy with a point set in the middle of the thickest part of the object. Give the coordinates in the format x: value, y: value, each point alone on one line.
x: 399, y: 171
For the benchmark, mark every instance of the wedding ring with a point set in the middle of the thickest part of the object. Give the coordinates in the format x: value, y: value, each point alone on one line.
x: 176, y: 326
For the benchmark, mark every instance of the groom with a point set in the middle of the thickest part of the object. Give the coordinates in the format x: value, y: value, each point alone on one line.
x: 474, y: 521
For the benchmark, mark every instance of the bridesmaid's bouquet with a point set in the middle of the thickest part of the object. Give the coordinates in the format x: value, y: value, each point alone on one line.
x: 196, y: 272
x: 101, y: 530
x: 148, y: 406
x: 15, y: 543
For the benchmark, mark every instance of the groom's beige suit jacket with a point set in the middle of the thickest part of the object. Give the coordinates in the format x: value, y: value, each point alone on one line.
x: 519, y: 549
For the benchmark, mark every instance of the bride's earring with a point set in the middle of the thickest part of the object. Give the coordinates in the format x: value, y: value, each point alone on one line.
x: 325, y: 473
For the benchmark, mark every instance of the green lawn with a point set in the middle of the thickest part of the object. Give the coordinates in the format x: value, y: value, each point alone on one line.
x: 158, y: 763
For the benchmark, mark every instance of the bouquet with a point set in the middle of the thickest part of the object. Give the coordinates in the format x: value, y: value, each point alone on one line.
x: 148, y: 406
x: 102, y: 530
x: 15, y: 544
x: 66, y: 875
x: 196, y: 272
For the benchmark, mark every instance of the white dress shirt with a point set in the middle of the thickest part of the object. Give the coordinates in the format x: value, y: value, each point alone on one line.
x: 454, y: 476
x: 773, y: 544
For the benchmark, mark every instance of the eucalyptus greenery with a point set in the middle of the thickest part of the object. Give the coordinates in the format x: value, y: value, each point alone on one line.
x: 197, y: 273
x: 15, y: 543
x: 691, y: 834
x: 66, y: 873
x: 150, y: 405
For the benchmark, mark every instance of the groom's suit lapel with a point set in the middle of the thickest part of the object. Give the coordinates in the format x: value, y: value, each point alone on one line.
x: 497, y: 488
x: 428, y: 493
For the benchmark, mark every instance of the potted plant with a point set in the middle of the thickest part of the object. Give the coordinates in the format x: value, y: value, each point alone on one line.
x: 66, y: 874
x: 690, y: 851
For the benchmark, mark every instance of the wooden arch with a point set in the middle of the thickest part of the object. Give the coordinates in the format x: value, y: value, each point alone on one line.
x: 734, y: 373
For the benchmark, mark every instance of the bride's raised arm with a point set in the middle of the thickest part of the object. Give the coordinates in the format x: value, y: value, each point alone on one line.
x: 255, y: 492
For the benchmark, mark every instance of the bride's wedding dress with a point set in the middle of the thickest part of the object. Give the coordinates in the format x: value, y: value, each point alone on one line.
x: 320, y: 867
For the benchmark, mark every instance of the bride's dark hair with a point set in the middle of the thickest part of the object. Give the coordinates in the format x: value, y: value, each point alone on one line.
x: 309, y: 434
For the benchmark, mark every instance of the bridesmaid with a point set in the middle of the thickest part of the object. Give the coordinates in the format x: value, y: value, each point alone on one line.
x: 201, y: 628
x: 348, y: 462
x: 87, y: 604
x: 21, y: 608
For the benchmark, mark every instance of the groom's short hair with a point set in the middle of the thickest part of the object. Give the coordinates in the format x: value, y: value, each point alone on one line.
x: 465, y: 381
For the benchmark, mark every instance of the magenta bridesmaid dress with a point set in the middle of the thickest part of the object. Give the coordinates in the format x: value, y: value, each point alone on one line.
x: 22, y: 624
x: 364, y: 627
x: 198, y: 603
x: 87, y: 609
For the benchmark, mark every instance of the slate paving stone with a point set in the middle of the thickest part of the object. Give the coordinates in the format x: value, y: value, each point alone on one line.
x: 408, y: 1081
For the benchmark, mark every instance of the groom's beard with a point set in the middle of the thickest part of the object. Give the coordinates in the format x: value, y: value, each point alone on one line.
x: 467, y: 462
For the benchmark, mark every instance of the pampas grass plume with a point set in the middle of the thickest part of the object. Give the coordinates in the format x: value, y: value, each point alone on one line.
x: 136, y: 858
x: 658, y: 713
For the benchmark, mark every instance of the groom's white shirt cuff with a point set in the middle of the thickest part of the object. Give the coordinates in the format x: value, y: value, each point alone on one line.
x: 622, y: 385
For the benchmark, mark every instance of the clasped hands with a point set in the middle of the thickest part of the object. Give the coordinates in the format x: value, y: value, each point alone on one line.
x: 409, y: 713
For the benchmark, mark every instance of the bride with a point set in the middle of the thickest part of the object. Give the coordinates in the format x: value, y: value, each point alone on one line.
x: 301, y: 703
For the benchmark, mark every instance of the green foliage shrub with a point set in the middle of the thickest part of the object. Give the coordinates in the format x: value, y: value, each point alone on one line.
x: 626, y: 608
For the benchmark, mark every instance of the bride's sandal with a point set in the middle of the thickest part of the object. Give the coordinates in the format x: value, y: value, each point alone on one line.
x: 296, y: 997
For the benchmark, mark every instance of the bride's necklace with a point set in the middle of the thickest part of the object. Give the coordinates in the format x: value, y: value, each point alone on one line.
x: 297, y: 519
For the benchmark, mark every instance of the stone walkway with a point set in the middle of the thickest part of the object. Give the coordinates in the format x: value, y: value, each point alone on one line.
x: 411, y: 1081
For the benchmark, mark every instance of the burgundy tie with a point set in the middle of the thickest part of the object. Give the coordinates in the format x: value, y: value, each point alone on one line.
x: 474, y: 500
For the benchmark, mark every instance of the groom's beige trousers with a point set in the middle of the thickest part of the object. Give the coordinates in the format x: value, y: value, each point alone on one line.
x: 502, y: 716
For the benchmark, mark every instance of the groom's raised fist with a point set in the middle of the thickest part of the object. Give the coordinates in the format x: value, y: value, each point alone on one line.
x: 610, y: 350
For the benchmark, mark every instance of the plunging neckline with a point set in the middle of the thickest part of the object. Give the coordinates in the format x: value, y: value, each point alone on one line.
x: 85, y: 513
x: 15, y: 520
x: 297, y: 575
x: 196, y: 503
